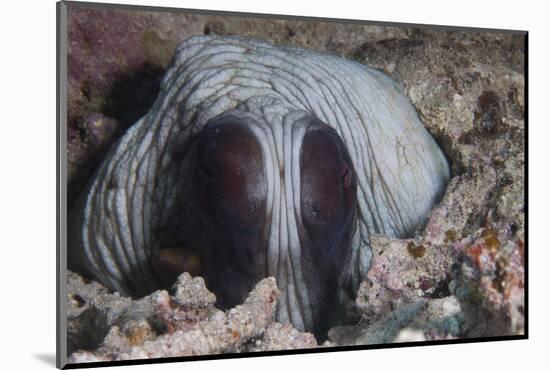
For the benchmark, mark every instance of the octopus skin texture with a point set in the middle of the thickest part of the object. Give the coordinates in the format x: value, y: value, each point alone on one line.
x: 267, y: 161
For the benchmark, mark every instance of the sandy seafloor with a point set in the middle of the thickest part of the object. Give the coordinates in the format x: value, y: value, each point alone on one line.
x: 462, y: 276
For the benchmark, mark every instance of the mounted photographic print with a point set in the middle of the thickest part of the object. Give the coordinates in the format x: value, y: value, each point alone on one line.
x: 238, y: 184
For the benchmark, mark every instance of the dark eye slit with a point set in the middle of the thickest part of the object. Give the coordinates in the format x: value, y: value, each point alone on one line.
x: 204, y: 170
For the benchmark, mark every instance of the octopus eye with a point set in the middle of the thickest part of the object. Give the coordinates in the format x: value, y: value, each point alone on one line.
x: 328, y: 186
x: 230, y: 173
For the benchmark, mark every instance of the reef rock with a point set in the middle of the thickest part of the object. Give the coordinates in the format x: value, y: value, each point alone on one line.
x: 184, y: 324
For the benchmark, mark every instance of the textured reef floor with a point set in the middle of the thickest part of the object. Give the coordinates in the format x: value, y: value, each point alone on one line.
x: 460, y: 276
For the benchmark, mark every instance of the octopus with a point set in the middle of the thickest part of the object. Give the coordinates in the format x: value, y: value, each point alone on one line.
x: 262, y: 161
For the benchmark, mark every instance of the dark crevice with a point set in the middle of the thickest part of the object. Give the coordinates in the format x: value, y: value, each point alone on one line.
x: 132, y: 94
x: 441, y: 290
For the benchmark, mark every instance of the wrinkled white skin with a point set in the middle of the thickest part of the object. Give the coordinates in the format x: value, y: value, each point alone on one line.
x: 401, y: 171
